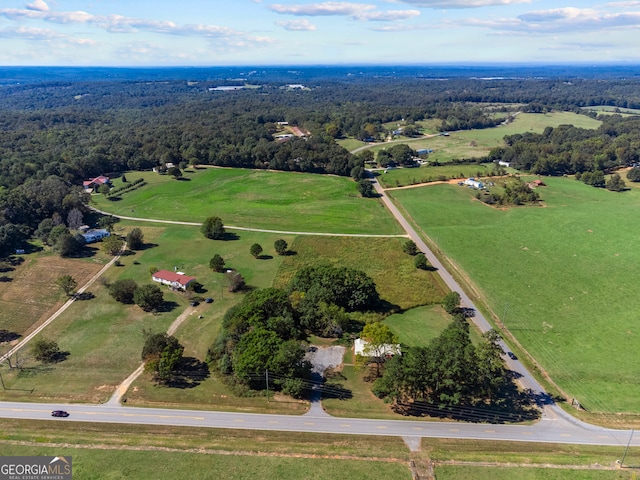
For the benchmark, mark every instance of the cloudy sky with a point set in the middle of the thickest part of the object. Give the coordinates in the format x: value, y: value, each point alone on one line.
x: 300, y: 32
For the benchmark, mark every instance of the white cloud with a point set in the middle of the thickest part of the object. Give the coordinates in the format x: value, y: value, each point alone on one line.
x: 39, y: 6
x: 462, y: 3
x: 297, y: 25
x: 321, y: 9
x: 388, y: 16
x: 42, y: 34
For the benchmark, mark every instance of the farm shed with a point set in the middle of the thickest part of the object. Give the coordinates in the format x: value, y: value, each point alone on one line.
x: 472, y: 182
x: 173, y: 279
x: 91, y: 236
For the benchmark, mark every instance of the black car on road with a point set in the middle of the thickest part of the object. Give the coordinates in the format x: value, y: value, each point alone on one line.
x: 59, y: 413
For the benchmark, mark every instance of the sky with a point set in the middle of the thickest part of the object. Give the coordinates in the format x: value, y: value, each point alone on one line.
x: 302, y: 32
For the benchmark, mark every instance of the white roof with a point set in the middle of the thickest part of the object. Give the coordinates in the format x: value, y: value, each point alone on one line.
x: 386, y: 349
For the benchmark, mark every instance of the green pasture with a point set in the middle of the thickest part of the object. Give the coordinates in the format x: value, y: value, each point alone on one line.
x: 561, y: 276
x: 152, y: 464
x: 350, y: 143
x: 255, y: 199
x: 398, y: 281
x: 609, y: 110
x: 401, y: 177
x: 105, y: 338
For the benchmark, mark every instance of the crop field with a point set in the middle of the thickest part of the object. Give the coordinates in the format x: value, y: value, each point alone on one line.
x: 256, y: 199
x: 560, y: 277
x: 397, y: 279
x: 28, y: 291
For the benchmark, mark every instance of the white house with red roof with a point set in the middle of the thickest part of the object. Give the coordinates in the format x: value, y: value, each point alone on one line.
x: 176, y: 280
x: 95, y: 183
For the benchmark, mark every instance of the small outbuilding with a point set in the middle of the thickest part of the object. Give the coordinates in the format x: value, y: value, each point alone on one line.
x: 386, y: 350
x: 176, y: 280
x: 91, y: 236
x: 473, y: 183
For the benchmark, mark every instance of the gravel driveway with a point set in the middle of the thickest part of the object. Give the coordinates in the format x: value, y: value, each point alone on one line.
x: 325, y: 357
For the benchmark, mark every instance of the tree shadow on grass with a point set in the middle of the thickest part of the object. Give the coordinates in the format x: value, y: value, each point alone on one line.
x: 167, y: 306
x: 290, y: 253
x: 146, y: 246
x: 5, y: 279
x: 183, y: 179
x: 265, y: 257
x: 189, y: 373
x: 335, y: 390
x: 7, y: 336
x: 231, y: 236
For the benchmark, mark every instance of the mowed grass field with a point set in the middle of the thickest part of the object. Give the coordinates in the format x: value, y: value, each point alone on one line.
x: 28, y: 291
x: 565, y: 274
x: 401, y: 177
x: 398, y: 281
x: 255, y: 199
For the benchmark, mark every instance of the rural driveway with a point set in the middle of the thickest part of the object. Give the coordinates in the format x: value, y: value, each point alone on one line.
x: 321, y: 359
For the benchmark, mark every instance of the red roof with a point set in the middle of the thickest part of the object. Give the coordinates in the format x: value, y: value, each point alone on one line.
x: 173, y: 277
x: 101, y: 180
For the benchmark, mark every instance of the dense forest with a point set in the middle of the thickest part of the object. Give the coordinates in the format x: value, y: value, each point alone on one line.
x: 54, y: 134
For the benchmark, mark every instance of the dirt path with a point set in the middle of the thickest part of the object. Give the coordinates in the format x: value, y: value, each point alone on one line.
x: 124, y: 386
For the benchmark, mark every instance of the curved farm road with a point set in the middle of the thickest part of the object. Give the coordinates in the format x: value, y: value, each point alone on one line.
x: 246, y: 229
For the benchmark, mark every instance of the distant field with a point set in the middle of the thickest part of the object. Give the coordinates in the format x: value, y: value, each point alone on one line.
x: 608, y: 110
x: 564, y: 275
x: 393, y: 272
x: 401, y: 177
x: 256, y: 199
x: 477, y: 143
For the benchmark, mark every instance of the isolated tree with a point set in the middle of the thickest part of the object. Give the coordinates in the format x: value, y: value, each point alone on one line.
x: 615, y: 183
x: 175, y: 172
x: 148, y: 297
x: 46, y: 351
x: 104, y: 189
x: 135, y: 239
x: 365, y: 188
x: 378, y: 336
x: 113, y: 244
x: 216, y: 263
x: 124, y: 179
x: 256, y: 250
x: 213, y: 228
x: 235, y: 281
x: 410, y: 247
x: 420, y: 261
x: 280, y: 246
x: 123, y: 290
x: 451, y: 302
x: 67, y: 284
x: 162, y: 353
x: 153, y: 269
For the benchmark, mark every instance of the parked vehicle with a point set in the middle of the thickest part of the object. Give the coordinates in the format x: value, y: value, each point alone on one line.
x: 59, y: 413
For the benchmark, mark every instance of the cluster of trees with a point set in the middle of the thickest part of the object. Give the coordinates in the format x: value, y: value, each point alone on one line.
x: 515, y: 192
x: 149, y: 297
x: 451, y: 370
x: 267, y: 329
x: 161, y: 354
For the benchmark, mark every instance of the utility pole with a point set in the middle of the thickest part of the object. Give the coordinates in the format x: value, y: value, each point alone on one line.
x: 266, y: 380
x: 2, y: 381
x: 626, y: 449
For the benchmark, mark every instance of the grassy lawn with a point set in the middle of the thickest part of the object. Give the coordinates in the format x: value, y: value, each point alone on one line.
x: 418, y: 326
x: 465, y: 472
x: 397, y: 279
x: 350, y: 143
x: 255, y: 199
x: 104, y: 338
x: 563, y: 274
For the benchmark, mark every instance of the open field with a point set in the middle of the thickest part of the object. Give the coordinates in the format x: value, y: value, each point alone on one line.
x: 559, y: 277
x: 28, y: 291
x: 255, y: 199
x: 608, y: 110
x: 122, y: 451
x: 393, y: 272
x: 350, y: 143
x: 477, y: 143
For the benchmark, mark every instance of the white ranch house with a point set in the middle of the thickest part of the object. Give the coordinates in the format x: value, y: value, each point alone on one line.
x: 177, y: 280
